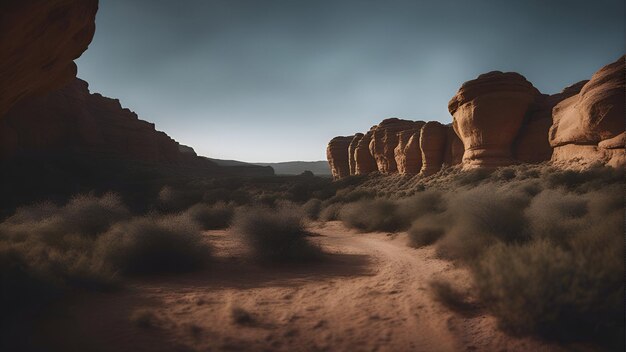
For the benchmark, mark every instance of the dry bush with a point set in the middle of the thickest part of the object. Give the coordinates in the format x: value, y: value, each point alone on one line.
x: 149, y: 245
x: 275, y: 234
x: 372, y: 215
x: 330, y: 212
x: 312, y: 208
x: 211, y: 217
x: 451, y: 297
x: 542, y: 288
x: 426, y: 231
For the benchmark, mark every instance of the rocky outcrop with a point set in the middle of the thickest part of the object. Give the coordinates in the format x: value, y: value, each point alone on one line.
x: 364, y: 160
x: 338, y: 156
x: 72, y: 120
x: 352, y: 152
x: 39, y: 40
x: 384, y: 142
x: 531, y: 144
x: 408, y: 156
x: 488, y: 113
x: 453, y: 154
x: 589, y: 126
x: 433, y: 138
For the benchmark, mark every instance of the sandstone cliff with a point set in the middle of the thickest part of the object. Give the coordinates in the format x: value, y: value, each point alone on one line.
x: 488, y: 113
x: 338, y: 157
x: 589, y: 126
x: 39, y: 40
x: 72, y: 119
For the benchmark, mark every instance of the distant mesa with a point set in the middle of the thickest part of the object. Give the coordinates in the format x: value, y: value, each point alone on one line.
x: 499, y: 119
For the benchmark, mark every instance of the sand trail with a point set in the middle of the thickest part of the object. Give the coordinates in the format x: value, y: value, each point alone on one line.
x: 372, y: 294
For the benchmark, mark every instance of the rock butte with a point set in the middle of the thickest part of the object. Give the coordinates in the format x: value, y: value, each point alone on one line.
x: 338, y: 157
x: 500, y: 119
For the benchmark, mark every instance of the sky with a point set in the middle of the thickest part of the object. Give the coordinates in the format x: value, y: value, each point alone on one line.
x: 275, y: 80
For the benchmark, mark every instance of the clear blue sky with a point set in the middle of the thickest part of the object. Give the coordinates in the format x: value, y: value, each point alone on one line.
x: 274, y: 80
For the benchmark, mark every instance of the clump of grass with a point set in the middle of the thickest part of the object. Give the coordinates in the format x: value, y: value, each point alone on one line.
x: 275, y: 234
x: 312, y: 208
x: 425, y: 231
x: 149, y: 245
x: 451, y: 297
x: 211, y: 217
x: 541, y: 288
x: 372, y: 215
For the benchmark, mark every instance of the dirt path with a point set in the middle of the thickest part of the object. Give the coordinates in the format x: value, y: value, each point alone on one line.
x: 371, y: 295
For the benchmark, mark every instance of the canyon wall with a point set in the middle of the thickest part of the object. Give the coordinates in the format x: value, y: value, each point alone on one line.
x: 71, y: 119
x: 39, y: 41
x: 500, y: 119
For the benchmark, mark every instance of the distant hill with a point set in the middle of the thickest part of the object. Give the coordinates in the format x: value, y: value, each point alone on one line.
x: 319, y: 168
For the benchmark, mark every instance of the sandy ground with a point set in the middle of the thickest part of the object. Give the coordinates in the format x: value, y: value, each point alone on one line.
x: 372, y: 294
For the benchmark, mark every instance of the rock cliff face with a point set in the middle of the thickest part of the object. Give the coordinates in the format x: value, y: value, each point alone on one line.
x: 408, y: 156
x: 363, y: 158
x: 589, y: 126
x: 488, y: 113
x: 433, y: 138
x: 384, y: 142
x: 39, y: 40
x: 338, y: 156
x: 71, y: 119
x: 352, y: 152
x: 501, y: 119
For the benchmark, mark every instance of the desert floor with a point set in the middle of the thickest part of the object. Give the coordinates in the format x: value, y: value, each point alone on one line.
x: 371, y: 294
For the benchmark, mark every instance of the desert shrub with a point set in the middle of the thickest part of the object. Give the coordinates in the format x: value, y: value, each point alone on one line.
x: 451, y: 297
x: 148, y: 245
x: 330, y: 212
x: 175, y: 200
x: 90, y: 215
x: 275, y: 234
x: 541, y: 288
x: 426, y: 231
x: 420, y: 204
x: 481, y: 217
x: 312, y: 208
x: 211, y: 217
x: 373, y: 215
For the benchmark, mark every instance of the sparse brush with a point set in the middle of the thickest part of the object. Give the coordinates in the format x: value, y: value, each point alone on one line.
x: 312, y: 209
x: 373, y: 215
x: 211, y: 217
x: 451, y: 297
x: 275, y: 234
x: 153, y: 245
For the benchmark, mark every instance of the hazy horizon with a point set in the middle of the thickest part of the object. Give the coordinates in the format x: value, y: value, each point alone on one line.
x: 273, y: 81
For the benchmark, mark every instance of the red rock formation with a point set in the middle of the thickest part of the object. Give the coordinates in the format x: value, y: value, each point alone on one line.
x: 338, y: 157
x: 454, y: 148
x: 39, y: 39
x: 352, y: 152
x: 364, y: 160
x: 408, y: 155
x: 588, y: 126
x: 531, y: 144
x: 433, y: 138
x: 488, y: 114
x: 73, y: 120
x: 384, y: 142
